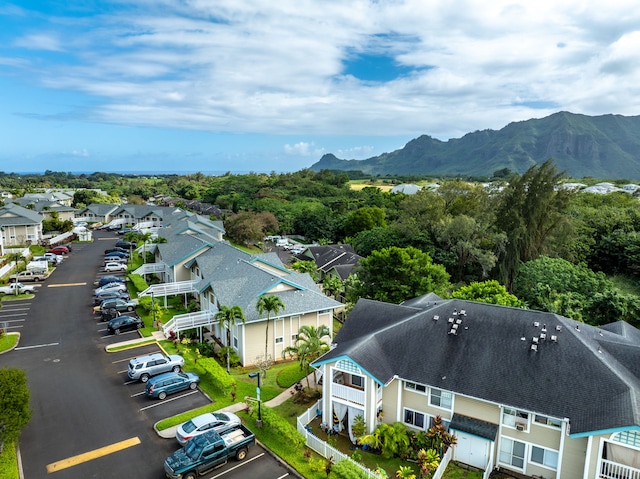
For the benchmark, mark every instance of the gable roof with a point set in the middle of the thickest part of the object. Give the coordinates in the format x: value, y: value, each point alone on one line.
x: 327, y: 257
x: 180, y: 248
x: 240, y: 279
x: 16, y: 215
x: 589, y: 375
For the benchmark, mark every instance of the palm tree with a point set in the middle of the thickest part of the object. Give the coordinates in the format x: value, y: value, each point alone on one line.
x: 310, y: 345
x: 227, y: 317
x: 269, y: 304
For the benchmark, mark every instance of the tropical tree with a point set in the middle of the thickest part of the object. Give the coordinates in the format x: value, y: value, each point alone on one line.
x: 396, y: 274
x: 531, y: 210
x: 226, y: 318
x: 310, y: 345
x: 271, y: 305
x: 405, y: 472
x: 332, y: 285
x: 14, y: 404
x: 490, y: 292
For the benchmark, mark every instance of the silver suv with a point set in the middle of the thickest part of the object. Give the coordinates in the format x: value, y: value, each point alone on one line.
x: 144, y: 367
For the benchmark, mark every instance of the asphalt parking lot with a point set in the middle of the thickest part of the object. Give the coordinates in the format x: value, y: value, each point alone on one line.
x: 88, y: 420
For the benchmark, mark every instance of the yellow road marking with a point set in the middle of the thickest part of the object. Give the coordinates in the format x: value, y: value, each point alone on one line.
x: 88, y: 456
x: 59, y: 285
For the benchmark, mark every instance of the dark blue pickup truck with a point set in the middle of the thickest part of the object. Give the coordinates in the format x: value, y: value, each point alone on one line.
x: 208, y: 451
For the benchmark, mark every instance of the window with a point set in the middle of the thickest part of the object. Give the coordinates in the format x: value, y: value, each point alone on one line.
x: 279, y: 340
x: 545, y: 457
x: 357, y: 381
x: 415, y: 387
x: 547, y: 421
x: 235, y: 342
x: 440, y: 398
x: 414, y: 418
x: 294, y: 338
x: 516, y: 419
x: 512, y: 452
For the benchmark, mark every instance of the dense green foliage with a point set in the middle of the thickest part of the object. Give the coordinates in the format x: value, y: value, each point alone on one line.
x: 14, y: 404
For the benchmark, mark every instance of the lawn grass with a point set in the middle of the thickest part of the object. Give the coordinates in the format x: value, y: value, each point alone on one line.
x: 8, y: 462
x: 455, y: 471
x: 8, y: 341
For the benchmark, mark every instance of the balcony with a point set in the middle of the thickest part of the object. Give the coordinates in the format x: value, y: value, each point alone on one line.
x: 614, y: 470
x: 347, y: 393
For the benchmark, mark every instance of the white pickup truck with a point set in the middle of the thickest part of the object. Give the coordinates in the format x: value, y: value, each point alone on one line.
x: 17, y: 288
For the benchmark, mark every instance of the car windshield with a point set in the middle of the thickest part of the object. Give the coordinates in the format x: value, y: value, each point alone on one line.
x: 188, y: 426
x: 193, y: 447
x: 220, y: 416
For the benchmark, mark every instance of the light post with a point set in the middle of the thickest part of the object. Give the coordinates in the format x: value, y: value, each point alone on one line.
x: 153, y: 309
x: 257, y: 375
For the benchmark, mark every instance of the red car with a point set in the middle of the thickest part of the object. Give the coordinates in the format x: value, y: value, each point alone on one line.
x: 59, y: 250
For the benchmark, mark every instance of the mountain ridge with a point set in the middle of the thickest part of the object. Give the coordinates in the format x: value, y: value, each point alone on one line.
x: 605, y: 146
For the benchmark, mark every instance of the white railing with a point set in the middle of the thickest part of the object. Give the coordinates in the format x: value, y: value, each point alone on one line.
x: 183, y: 322
x: 444, y: 462
x: 150, y: 268
x: 488, y: 470
x: 320, y: 446
x: 614, y: 470
x: 170, y: 289
x: 347, y: 393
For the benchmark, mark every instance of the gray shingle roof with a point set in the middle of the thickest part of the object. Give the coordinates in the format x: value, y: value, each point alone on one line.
x: 180, y: 248
x: 15, y: 215
x: 238, y: 279
x: 589, y: 375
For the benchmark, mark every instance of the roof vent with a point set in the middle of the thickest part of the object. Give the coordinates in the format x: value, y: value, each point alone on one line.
x: 558, y: 328
x: 451, y: 320
x: 523, y: 338
x: 536, y: 324
x: 535, y: 340
x: 554, y: 338
x: 578, y: 327
x: 436, y: 317
x: 543, y: 336
x: 544, y: 328
x: 453, y: 331
x: 455, y: 312
x: 534, y: 347
x: 463, y: 312
x: 458, y: 321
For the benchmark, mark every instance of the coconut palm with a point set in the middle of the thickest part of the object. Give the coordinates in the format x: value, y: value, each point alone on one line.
x: 227, y: 317
x: 310, y: 345
x: 271, y: 305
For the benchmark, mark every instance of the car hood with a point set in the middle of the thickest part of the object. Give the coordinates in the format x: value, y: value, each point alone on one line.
x: 178, y: 460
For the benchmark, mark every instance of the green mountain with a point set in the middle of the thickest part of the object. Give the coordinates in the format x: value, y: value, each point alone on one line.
x: 606, y: 146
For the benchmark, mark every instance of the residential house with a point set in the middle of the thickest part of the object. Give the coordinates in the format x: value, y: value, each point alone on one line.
x: 47, y: 208
x: 525, y: 391
x: 97, y: 213
x: 227, y: 276
x: 337, y: 259
x: 20, y: 226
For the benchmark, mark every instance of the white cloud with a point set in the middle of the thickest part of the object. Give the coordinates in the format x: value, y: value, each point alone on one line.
x: 278, y: 67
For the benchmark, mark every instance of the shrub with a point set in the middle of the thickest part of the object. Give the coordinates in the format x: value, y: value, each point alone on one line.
x: 346, y: 469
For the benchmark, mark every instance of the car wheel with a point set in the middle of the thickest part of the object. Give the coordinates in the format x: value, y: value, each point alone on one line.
x: 176, y: 369
x: 129, y: 308
x: 138, y: 325
x: 162, y: 395
x: 193, y: 386
x: 35, y: 280
x: 117, y: 331
x: 144, y: 378
x: 191, y: 475
x: 241, y: 454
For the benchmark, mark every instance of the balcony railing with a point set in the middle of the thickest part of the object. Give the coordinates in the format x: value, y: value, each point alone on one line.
x: 348, y: 393
x: 614, y: 470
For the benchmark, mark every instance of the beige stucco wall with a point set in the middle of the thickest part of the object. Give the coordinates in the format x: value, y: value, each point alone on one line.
x: 573, y: 457
x: 253, y: 338
x: 477, y: 409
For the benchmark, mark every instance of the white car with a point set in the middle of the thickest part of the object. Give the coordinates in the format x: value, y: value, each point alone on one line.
x: 111, y: 287
x: 112, y: 267
x: 217, y: 421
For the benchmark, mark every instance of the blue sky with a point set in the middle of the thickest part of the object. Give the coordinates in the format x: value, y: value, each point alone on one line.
x: 232, y: 85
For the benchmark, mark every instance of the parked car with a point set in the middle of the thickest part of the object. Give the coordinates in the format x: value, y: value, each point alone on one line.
x: 125, y: 244
x: 54, y: 258
x: 23, y: 276
x: 115, y: 286
x: 168, y: 383
x: 109, y: 294
x: 115, y: 259
x: 59, y: 250
x: 119, y: 254
x: 118, y: 304
x: 109, y: 279
x: 117, y: 248
x: 143, y: 367
x: 17, y: 288
x: 217, y: 421
x: 112, y: 267
x: 122, y: 324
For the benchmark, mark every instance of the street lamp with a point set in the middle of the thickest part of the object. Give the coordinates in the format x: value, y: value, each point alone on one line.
x: 153, y: 309
x: 257, y: 375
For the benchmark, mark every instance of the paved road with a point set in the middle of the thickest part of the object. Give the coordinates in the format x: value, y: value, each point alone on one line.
x: 86, y: 421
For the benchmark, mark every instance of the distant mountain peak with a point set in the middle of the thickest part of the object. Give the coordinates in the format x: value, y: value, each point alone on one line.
x: 606, y: 146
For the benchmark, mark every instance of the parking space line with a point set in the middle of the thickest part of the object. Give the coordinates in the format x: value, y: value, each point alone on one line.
x: 165, y: 401
x: 60, y: 285
x: 240, y: 465
x: 37, y: 346
x: 88, y: 456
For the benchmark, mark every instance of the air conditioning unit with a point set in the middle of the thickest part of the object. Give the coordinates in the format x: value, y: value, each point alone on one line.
x: 520, y: 426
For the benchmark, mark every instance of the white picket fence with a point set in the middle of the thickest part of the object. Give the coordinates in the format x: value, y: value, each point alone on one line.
x: 327, y: 451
